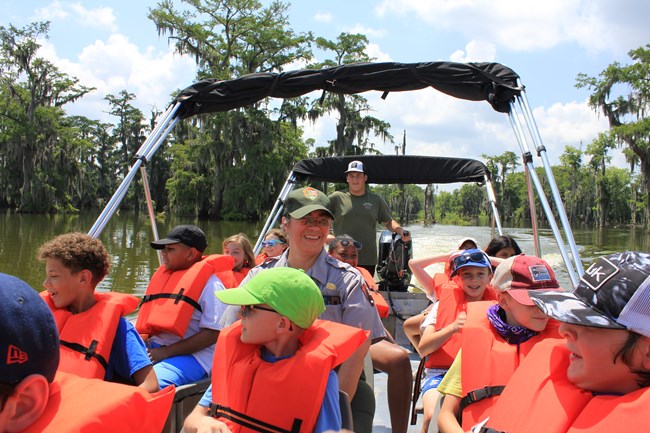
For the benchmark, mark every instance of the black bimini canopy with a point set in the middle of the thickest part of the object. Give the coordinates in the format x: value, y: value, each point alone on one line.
x: 491, y: 82
x: 383, y: 169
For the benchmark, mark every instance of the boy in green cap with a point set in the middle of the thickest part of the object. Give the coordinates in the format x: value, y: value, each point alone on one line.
x: 274, y: 367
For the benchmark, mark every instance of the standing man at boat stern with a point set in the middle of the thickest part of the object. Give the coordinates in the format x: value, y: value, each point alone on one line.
x: 357, y: 211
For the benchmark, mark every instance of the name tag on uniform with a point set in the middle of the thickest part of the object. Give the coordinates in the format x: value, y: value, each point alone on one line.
x: 332, y: 300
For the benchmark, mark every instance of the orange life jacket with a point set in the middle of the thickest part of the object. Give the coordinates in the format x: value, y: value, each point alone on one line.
x: 261, y: 258
x: 87, y: 337
x: 172, y: 296
x: 240, y: 275
x: 373, y: 293
x: 488, y: 361
x: 452, y: 301
x: 539, y: 397
x: 77, y: 404
x: 439, y: 280
x: 283, y: 396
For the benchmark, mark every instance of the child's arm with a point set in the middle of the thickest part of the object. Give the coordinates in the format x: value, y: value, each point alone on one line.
x: 146, y: 379
x: 417, y: 267
x: 202, y: 339
x: 200, y: 422
x: 412, y: 326
x: 350, y: 370
x: 432, y: 340
x: 452, y: 389
x: 447, y: 421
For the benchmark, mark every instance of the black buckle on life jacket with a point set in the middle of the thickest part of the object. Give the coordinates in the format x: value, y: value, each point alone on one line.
x: 88, y: 352
x: 490, y: 430
x: 177, y: 297
x: 220, y: 411
x: 480, y: 394
x: 332, y: 300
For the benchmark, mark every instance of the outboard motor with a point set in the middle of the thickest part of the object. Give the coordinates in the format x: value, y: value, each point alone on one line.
x: 393, y: 262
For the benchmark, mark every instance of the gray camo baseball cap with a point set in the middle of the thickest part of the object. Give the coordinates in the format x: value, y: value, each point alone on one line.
x: 614, y: 293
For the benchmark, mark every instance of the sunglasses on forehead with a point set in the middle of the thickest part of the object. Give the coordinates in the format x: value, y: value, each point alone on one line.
x: 348, y: 242
x: 271, y: 242
x: 476, y: 257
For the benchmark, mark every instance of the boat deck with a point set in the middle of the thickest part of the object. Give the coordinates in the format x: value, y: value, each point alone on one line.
x: 381, y: 423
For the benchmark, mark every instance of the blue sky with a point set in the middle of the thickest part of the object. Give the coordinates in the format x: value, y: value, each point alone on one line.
x: 112, y: 45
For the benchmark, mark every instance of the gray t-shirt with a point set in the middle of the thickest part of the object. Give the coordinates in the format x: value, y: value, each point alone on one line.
x: 358, y: 216
x: 341, y: 286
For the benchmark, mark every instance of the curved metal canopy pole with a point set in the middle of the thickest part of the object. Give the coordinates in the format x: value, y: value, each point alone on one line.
x: 152, y: 215
x: 493, y: 203
x: 529, y: 187
x: 541, y: 152
x: 288, y: 186
x: 542, y: 196
x: 151, y: 144
x: 531, y: 202
x: 551, y: 219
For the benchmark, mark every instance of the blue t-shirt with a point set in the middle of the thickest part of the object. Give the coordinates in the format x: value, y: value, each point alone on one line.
x: 329, y: 417
x: 128, y: 354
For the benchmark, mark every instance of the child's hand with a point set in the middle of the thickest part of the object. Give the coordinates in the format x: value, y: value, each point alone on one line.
x: 460, y: 321
x: 211, y: 425
x: 158, y: 354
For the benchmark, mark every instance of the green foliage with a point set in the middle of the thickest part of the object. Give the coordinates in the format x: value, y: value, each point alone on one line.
x: 231, y: 165
x: 622, y: 94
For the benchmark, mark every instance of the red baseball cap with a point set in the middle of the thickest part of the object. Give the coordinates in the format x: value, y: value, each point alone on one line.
x: 520, y: 274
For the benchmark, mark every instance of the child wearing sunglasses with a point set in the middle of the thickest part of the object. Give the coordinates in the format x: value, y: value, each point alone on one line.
x: 495, y: 339
x: 440, y: 339
x: 274, y: 368
x: 597, y: 378
x: 273, y: 245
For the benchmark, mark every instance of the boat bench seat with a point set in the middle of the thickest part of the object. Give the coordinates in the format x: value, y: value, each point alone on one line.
x: 186, y: 398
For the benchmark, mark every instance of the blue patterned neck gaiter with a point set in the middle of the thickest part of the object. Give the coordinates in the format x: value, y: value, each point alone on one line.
x: 512, y: 334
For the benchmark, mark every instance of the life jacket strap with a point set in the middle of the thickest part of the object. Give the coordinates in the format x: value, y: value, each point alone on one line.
x: 480, y: 394
x: 89, y: 352
x: 219, y: 411
x: 177, y: 297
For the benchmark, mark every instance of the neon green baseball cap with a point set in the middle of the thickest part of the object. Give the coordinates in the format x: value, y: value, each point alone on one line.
x: 290, y: 292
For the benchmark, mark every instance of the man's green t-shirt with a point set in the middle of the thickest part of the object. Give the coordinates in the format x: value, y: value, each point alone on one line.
x: 358, y: 216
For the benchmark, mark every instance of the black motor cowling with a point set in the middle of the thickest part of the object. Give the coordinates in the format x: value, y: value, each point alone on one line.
x: 393, y: 262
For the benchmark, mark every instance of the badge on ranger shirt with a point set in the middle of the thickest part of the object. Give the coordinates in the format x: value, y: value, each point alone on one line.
x: 330, y: 286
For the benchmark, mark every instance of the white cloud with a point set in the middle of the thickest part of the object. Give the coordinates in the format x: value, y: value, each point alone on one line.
x: 367, y: 31
x: 100, y: 17
x: 475, y: 51
x: 569, y: 124
x: 56, y: 10
x: 323, y: 17
x: 374, y: 52
x: 118, y: 64
x: 596, y: 25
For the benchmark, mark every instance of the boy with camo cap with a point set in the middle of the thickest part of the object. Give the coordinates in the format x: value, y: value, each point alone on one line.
x: 598, y: 378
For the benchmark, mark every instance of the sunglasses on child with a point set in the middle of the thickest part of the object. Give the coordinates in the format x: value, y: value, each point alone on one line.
x: 347, y: 243
x: 271, y: 243
x: 246, y: 309
x: 476, y: 257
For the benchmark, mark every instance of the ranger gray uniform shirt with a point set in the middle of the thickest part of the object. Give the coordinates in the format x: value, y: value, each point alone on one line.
x: 341, y: 286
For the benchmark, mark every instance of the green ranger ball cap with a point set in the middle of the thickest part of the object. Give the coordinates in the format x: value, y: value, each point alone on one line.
x: 301, y: 202
x: 290, y: 292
